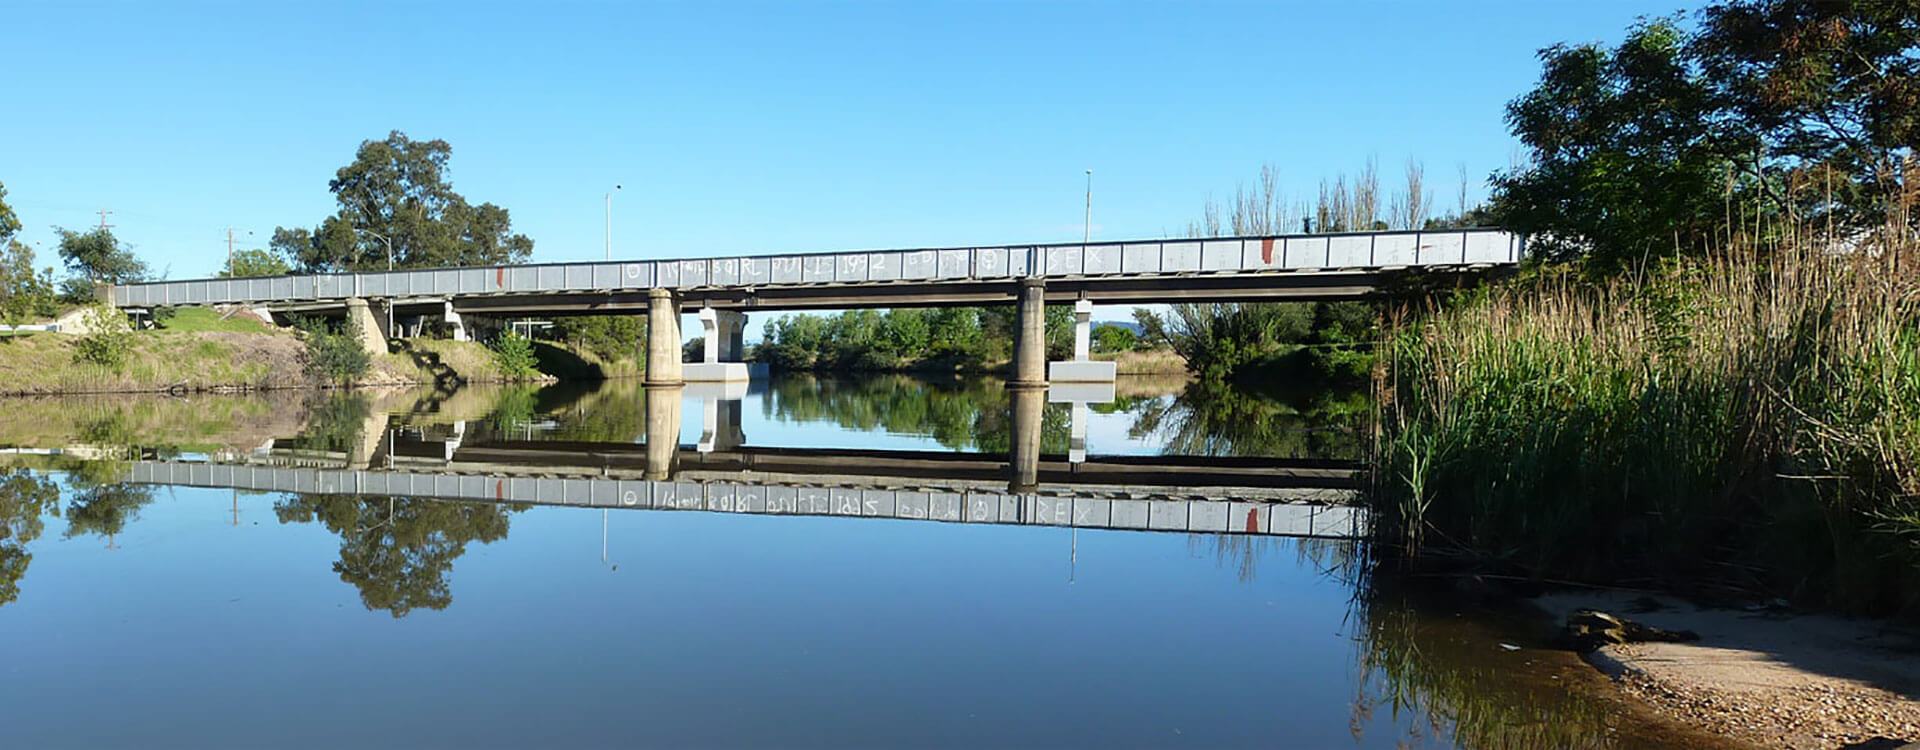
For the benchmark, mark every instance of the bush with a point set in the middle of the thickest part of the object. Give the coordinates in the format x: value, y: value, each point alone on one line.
x: 513, y: 355
x: 1112, y: 338
x: 334, y: 356
x: 108, y: 340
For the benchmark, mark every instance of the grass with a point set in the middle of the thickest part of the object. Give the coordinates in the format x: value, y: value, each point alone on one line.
x: 156, y: 360
x: 1747, y: 424
x: 204, y: 320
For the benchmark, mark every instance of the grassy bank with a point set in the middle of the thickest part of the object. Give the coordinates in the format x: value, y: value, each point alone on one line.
x: 1748, y: 425
x: 225, y: 357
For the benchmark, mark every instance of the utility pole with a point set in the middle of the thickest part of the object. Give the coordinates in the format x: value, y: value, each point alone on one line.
x: 104, y: 226
x: 609, y: 235
x: 1087, y: 225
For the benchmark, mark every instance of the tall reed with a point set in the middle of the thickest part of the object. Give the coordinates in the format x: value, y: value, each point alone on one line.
x: 1749, y: 422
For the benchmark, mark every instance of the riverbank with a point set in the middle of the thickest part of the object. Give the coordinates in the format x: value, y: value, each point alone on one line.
x: 195, y: 361
x: 1763, y: 674
x: 1744, y: 426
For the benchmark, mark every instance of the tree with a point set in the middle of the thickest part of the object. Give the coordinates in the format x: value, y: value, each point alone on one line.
x: 397, y: 188
x: 97, y: 257
x: 26, y: 293
x: 9, y: 222
x: 24, y: 499
x: 1113, y: 338
x: 252, y: 263
x: 1834, y: 86
x: 1621, y: 166
x: 397, y: 551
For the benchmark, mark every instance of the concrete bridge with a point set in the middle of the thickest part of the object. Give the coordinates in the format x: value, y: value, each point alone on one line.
x: 721, y: 289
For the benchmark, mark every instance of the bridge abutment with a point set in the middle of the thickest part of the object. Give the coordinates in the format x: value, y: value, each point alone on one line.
x: 1030, y: 336
x: 663, y: 339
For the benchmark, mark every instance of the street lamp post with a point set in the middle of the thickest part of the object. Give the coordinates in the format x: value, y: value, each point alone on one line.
x: 389, y: 241
x: 609, y: 198
x: 1086, y: 226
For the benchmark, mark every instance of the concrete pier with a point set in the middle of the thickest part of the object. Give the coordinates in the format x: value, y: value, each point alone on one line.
x: 1082, y: 368
x: 1029, y: 414
x: 1030, y: 336
x: 724, y: 332
x: 663, y: 340
x: 663, y: 431
x: 370, y: 329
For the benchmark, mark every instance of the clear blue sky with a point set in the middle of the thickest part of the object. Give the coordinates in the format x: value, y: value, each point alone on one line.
x: 749, y: 128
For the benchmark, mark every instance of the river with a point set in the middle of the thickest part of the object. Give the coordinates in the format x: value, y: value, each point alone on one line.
x: 880, y: 562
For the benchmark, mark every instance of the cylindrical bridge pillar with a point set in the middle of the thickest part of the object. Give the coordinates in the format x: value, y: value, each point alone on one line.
x: 1030, y: 336
x: 663, y: 339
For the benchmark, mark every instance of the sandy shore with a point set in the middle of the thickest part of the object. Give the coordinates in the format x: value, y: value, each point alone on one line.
x: 1766, y: 676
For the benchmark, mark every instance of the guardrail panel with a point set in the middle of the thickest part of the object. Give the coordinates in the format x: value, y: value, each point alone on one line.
x: 1487, y: 247
x: 1349, y: 252
x: 1140, y: 257
x: 1303, y: 253
x: 693, y: 273
x: 1440, y: 247
x: 726, y: 272
x: 884, y: 266
x: 1220, y: 255
x: 991, y: 263
x: 789, y: 270
x: 1395, y: 249
x: 1100, y: 260
x: 756, y: 271
x: 850, y: 267
x: 954, y: 264
x: 1065, y: 261
x: 1176, y: 257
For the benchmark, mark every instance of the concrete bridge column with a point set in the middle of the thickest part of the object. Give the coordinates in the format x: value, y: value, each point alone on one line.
x: 724, y: 332
x: 1082, y: 368
x: 663, y: 431
x: 1029, y: 414
x: 456, y: 324
x: 370, y: 331
x: 1030, y: 336
x: 663, y: 339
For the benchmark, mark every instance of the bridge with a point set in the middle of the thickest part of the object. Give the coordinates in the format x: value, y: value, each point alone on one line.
x: 1064, y: 507
x: 721, y: 289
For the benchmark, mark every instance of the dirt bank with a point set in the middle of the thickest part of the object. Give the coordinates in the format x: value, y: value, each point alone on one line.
x: 1764, y: 675
x: 218, y: 361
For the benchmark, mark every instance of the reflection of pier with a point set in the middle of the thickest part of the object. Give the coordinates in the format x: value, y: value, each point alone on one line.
x: 1062, y: 507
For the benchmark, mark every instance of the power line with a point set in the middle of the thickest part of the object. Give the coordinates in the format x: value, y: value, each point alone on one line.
x: 104, y: 226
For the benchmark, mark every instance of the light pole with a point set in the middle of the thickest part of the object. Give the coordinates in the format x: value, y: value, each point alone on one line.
x: 1087, y: 225
x: 389, y: 241
x: 609, y: 197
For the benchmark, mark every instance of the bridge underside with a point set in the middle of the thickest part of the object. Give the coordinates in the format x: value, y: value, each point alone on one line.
x: 1265, y: 287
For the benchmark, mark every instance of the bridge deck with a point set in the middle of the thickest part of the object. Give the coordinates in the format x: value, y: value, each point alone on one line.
x: 1141, y: 270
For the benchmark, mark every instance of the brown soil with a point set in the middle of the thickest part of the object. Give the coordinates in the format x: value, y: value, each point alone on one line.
x: 1768, y: 677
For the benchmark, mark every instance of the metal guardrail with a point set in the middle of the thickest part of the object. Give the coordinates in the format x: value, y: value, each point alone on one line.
x: 1307, y: 252
x: 1212, y: 516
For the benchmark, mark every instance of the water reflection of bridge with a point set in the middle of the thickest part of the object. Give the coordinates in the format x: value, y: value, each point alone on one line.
x: 1084, y: 506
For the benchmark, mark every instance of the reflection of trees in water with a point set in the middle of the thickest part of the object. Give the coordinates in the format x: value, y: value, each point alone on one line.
x: 25, y: 498
x: 1445, y: 674
x: 398, y: 551
x: 1224, y: 421
x: 334, y: 421
x: 957, y: 413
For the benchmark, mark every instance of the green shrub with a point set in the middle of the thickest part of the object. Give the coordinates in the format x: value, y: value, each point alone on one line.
x: 334, y: 356
x: 513, y: 355
x: 108, y: 341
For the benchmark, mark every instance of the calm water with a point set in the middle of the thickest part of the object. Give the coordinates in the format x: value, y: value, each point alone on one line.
x: 254, y: 588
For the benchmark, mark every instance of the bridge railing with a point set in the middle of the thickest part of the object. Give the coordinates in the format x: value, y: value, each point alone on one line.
x: 1309, y: 252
